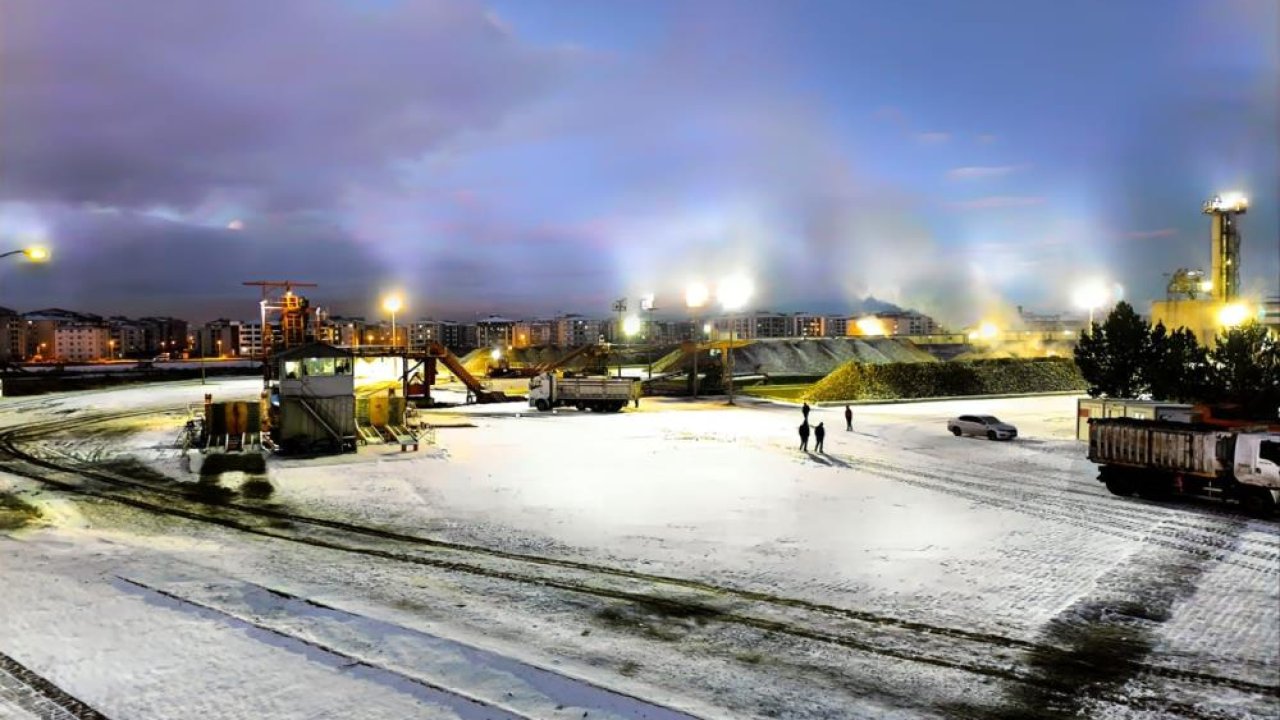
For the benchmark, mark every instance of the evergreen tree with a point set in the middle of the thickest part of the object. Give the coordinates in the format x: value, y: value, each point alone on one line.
x: 1114, y: 356
x: 1245, y: 370
x: 1178, y: 365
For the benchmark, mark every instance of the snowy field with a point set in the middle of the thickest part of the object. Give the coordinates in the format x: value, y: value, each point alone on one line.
x: 682, y: 560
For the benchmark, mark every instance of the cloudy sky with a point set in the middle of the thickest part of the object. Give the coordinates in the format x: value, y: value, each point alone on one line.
x: 534, y: 156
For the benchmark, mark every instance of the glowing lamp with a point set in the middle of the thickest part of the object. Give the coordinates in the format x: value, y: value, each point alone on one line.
x: 871, y: 325
x: 695, y: 295
x: 734, y: 292
x: 1233, y: 315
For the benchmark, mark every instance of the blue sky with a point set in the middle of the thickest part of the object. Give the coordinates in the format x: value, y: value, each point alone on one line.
x: 525, y: 156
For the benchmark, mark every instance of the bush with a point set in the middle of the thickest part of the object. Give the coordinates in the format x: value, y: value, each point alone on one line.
x: 257, y: 488
x: 893, y: 381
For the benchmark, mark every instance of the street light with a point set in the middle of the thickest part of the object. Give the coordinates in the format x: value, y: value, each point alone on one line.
x: 34, y: 254
x: 1091, y: 296
x: 733, y: 294
x: 647, y: 305
x: 392, y: 304
x: 695, y: 296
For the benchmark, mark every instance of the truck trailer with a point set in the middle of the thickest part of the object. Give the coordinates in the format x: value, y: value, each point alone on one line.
x: 1155, y: 458
x: 602, y: 394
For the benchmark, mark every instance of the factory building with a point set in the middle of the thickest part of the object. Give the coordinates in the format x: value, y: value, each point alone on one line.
x: 1206, y: 304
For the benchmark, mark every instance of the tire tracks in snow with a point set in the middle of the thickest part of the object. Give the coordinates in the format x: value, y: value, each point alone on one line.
x: 1219, y: 543
x: 980, y: 653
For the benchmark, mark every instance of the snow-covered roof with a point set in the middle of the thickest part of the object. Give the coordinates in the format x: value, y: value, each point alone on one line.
x: 312, y: 350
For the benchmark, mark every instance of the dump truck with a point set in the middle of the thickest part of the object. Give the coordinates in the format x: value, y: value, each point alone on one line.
x: 1158, y: 458
x: 602, y: 394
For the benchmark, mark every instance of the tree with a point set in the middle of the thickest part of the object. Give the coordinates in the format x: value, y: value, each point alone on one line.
x: 1114, y: 355
x: 1245, y: 370
x: 1178, y: 365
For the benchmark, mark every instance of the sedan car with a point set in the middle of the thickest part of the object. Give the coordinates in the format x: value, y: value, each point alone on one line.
x: 986, y: 425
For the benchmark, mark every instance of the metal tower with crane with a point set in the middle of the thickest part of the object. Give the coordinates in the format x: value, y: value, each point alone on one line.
x: 293, y: 311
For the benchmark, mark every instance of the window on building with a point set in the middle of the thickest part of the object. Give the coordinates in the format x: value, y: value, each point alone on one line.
x: 1270, y: 450
x: 314, y: 367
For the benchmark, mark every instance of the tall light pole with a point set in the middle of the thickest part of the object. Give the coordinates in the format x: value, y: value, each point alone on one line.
x: 392, y: 304
x: 733, y: 294
x: 646, y: 304
x: 695, y: 296
x: 1091, y: 296
x: 620, y: 307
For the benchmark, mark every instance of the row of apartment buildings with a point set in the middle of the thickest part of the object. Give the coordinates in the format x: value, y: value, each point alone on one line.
x: 244, y: 339
x: 54, y: 334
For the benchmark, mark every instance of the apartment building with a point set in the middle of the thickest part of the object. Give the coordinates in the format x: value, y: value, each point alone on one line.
x: 82, y: 342
x: 573, y: 330
x: 494, y: 332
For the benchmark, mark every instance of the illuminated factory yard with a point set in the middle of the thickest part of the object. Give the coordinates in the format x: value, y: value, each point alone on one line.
x: 532, y: 360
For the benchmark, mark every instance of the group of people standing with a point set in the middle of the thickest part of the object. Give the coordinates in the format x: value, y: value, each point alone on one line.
x: 820, y: 432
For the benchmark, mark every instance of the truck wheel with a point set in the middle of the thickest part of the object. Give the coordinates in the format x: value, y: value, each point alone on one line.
x: 1154, y: 489
x: 1119, y: 485
x: 1257, y: 502
x: 579, y: 407
x: 991, y: 435
x: 617, y: 406
x: 542, y: 405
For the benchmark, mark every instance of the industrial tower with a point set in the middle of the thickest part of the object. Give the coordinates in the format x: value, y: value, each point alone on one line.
x: 1206, y: 305
x: 1224, y: 273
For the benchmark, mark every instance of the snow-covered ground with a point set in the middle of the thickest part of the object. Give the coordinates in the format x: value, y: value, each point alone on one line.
x: 685, y: 559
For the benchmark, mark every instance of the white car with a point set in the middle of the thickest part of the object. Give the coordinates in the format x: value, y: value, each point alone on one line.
x: 984, y: 425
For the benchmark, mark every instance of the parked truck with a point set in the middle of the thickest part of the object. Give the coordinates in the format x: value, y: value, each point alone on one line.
x: 1156, y: 458
x: 602, y: 394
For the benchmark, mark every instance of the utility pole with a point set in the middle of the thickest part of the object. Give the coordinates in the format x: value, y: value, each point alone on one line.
x: 620, y: 307
x: 646, y: 304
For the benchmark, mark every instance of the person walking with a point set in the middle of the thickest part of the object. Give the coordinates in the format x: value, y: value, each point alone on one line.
x: 848, y: 418
x: 804, y: 436
x: 805, y: 409
x: 818, y: 434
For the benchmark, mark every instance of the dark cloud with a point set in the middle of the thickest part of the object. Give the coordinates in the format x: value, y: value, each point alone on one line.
x: 280, y: 105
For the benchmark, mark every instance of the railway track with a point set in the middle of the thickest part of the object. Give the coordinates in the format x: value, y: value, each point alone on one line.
x: 26, y: 689
x: 980, y: 653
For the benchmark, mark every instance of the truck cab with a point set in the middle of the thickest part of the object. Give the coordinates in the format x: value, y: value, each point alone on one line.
x: 1257, y: 461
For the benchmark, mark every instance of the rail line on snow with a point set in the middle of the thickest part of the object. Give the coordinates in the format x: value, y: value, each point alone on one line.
x: 771, y: 613
x: 30, y: 691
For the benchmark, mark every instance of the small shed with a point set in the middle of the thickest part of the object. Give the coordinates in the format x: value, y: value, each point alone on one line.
x: 314, y: 402
x: 1087, y: 408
